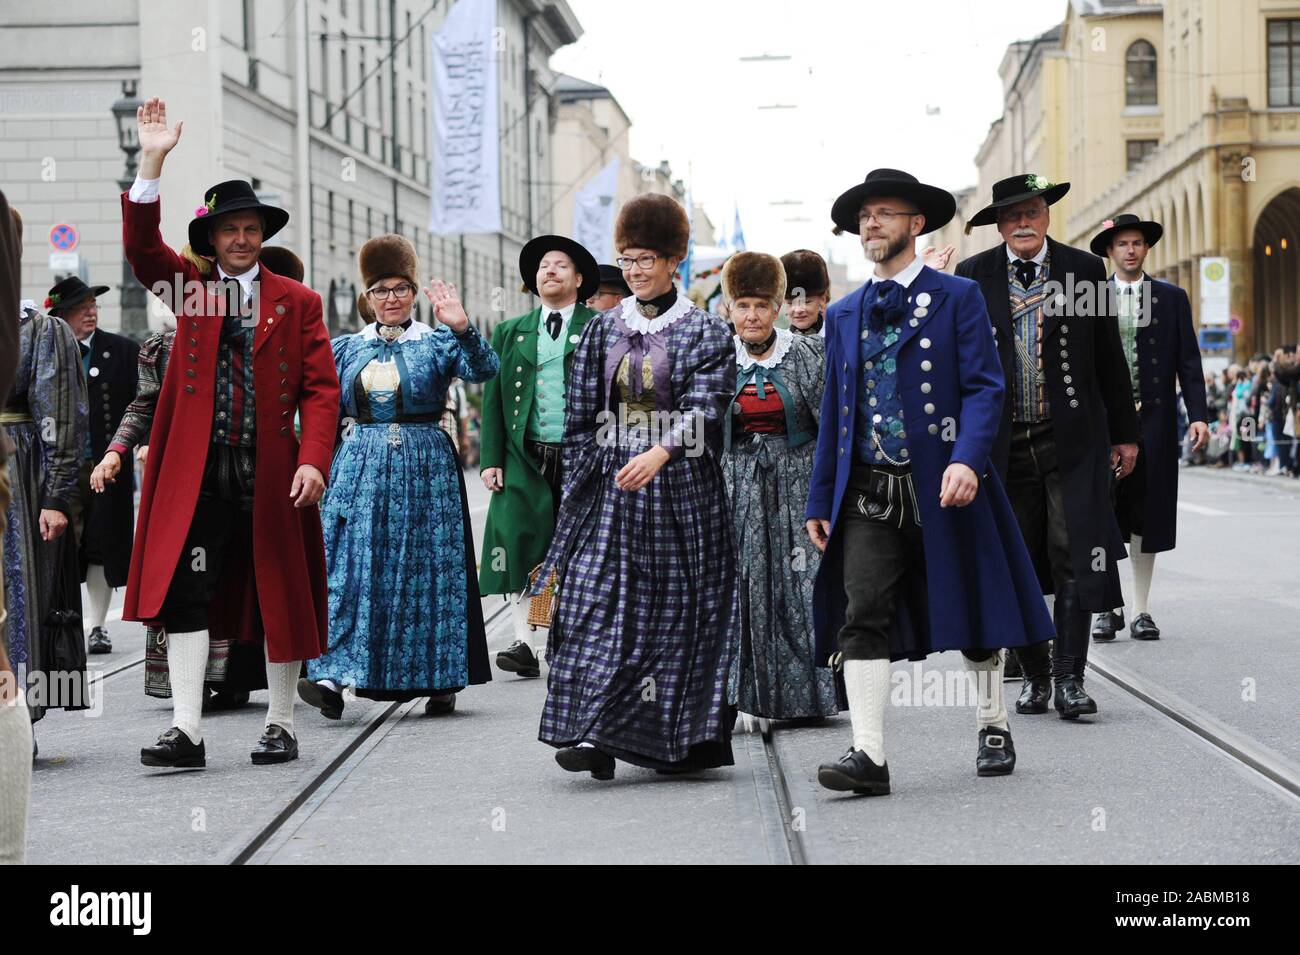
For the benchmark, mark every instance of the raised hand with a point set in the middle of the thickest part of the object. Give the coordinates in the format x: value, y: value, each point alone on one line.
x: 937, y: 259
x: 156, y: 139
x: 446, y: 305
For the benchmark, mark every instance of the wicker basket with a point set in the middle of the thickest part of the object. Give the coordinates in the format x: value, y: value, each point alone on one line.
x: 540, y: 606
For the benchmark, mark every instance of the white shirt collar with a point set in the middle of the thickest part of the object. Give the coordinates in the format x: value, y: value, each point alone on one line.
x: 566, y: 313
x: 1120, y: 283
x: 1037, y: 260
x: 88, y: 339
x: 639, y: 323
x: 245, y: 281
x: 414, y: 332
x: 784, y: 340
x: 906, y: 277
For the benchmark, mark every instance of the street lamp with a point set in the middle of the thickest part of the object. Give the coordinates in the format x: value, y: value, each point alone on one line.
x: 135, y: 318
x: 344, y: 296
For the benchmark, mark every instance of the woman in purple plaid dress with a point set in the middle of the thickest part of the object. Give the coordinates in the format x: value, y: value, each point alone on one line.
x: 646, y: 611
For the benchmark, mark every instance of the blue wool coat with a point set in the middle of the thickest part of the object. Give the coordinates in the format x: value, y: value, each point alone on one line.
x: 979, y: 590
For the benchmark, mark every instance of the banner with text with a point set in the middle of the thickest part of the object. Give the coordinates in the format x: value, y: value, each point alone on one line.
x: 465, y: 172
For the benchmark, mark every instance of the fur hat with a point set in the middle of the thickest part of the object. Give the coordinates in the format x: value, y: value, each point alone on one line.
x: 385, y: 257
x: 653, y: 222
x: 754, y: 275
x: 282, y: 262
x: 805, y: 269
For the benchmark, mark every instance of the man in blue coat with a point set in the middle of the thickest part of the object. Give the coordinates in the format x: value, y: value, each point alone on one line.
x: 1155, y: 329
x: 922, y: 549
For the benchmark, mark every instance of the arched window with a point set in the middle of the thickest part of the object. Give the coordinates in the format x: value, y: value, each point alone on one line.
x: 1140, y: 74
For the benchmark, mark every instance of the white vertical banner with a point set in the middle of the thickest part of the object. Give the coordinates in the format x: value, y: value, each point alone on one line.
x: 593, y: 213
x: 465, y: 169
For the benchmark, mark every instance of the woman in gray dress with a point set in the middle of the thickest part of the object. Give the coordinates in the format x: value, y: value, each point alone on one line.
x: 770, y: 437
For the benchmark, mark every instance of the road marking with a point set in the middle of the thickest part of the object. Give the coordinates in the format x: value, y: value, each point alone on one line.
x: 1201, y: 509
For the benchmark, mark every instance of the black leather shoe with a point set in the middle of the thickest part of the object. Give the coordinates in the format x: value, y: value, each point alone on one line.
x: 997, y: 754
x: 329, y: 702
x: 223, y: 699
x: 275, y: 746
x: 99, y: 642
x: 1071, y: 701
x: 1144, y: 628
x: 586, y: 759
x: 1034, y: 694
x: 518, y: 658
x: 174, y: 750
x: 1106, y: 625
x: 855, y: 772
x: 440, y: 704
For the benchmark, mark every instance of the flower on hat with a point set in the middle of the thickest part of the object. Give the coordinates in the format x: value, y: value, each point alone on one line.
x: 1038, y: 183
x: 51, y: 301
x: 201, y: 211
x: 1108, y: 224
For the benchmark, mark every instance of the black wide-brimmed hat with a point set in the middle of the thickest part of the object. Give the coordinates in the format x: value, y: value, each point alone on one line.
x: 71, y: 291
x: 1008, y: 192
x: 235, y: 195
x: 937, y: 205
x: 534, y: 250
x: 612, y: 276
x: 1151, y: 231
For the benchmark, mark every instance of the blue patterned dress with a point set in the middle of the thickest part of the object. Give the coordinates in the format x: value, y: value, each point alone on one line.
x: 643, y: 624
x: 767, y: 467
x: 405, y: 618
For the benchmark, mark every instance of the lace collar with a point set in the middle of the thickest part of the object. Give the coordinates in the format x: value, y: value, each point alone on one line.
x: 639, y: 323
x: 784, y: 341
x: 417, y: 331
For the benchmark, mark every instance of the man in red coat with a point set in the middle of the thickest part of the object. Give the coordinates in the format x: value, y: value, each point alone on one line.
x: 214, y: 547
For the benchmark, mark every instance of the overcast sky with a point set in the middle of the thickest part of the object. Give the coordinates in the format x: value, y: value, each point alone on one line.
x: 861, y: 76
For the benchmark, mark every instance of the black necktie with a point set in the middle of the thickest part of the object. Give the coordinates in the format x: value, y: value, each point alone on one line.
x: 553, y: 325
x: 1025, y: 271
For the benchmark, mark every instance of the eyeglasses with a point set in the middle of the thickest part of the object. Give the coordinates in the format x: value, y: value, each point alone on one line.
x: 381, y: 294
x: 1033, y: 215
x: 884, y: 216
x: 646, y: 261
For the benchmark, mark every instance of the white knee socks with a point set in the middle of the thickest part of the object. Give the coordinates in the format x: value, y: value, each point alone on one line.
x: 282, y: 681
x: 866, y: 683
x: 534, y: 639
x: 187, y: 662
x: 101, y: 595
x: 15, y: 777
x: 1144, y: 566
x: 991, y: 710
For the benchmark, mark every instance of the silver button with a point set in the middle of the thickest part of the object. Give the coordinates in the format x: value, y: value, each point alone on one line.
x: 1064, y: 353
x: 841, y: 452
x: 519, y: 384
x: 1065, y: 341
x: 933, y: 429
x: 518, y: 398
x: 903, y: 453
x: 880, y: 455
x: 923, y: 298
x: 866, y: 333
x: 1067, y: 379
x: 519, y: 368
x: 925, y: 343
x: 925, y: 365
x: 920, y: 312
x: 913, y: 322
x: 871, y: 382
x: 876, y: 418
x: 843, y: 432
x: 1074, y: 402
x: 925, y: 387
x: 929, y: 408
x: 872, y: 401
x: 1069, y: 391
x: 1065, y: 366
x: 844, y: 410
x: 1065, y: 329
x: 870, y: 365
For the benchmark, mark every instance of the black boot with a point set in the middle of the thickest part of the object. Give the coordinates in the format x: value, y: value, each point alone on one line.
x: 1105, y: 625
x: 856, y: 773
x: 329, y: 702
x: 586, y: 759
x: 1144, y: 628
x: 997, y: 754
x: 175, y: 751
x: 1036, y: 666
x: 518, y: 658
x: 99, y: 642
x: 1071, y: 701
x: 1011, y: 669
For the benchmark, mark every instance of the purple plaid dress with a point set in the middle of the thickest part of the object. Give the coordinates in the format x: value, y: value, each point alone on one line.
x: 646, y: 614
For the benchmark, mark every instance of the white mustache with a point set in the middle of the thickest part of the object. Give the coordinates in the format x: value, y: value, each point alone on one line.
x: 1024, y: 234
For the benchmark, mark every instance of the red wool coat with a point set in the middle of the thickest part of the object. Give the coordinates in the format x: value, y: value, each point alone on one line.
x: 293, y: 370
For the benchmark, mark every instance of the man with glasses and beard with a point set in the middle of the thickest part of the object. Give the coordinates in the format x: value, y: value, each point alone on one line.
x: 1067, y: 424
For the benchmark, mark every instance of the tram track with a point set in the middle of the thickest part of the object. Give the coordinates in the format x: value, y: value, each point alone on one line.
x: 258, y: 844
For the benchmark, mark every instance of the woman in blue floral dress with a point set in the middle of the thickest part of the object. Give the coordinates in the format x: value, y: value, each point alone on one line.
x: 405, y: 618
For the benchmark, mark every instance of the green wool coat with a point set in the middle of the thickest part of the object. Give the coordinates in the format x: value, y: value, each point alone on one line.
x: 519, y: 523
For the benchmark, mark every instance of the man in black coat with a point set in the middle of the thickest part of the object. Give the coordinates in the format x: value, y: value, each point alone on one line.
x: 1068, y: 424
x: 1155, y: 327
x: 105, y: 522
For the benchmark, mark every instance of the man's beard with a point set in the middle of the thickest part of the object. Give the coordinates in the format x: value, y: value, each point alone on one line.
x: 891, y: 248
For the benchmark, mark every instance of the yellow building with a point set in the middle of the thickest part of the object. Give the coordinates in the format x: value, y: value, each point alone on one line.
x: 1186, y: 112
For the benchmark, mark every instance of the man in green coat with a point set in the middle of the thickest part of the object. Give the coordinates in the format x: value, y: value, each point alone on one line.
x: 523, y: 427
